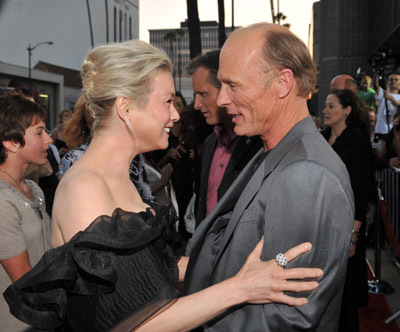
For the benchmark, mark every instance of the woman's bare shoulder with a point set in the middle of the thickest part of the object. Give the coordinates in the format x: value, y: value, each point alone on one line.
x: 81, y: 198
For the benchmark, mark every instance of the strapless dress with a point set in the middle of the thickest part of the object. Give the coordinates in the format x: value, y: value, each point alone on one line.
x: 113, y: 276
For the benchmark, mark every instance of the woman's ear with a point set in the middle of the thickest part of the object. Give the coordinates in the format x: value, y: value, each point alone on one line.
x: 286, y: 80
x: 347, y: 110
x: 122, y: 105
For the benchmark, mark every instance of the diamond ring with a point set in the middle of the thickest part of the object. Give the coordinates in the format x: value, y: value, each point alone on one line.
x: 281, y: 260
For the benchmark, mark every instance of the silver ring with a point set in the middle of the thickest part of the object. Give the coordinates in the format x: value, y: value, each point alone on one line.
x: 281, y: 260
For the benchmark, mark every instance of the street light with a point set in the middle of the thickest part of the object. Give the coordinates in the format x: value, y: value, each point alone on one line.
x: 30, y: 49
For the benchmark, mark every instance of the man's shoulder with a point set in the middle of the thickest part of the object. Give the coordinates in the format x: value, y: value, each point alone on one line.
x: 313, y: 150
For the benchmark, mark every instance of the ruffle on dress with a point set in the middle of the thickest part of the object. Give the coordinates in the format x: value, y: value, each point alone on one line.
x: 118, y: 270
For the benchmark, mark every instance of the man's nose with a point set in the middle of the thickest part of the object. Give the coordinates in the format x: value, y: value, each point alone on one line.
x: 197, y: 102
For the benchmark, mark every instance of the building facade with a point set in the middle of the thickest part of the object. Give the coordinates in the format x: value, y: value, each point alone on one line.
x: 72, y: 27
x: 354, y: 37
x: 175, y: 42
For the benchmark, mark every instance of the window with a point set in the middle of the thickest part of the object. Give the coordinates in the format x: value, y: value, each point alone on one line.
x: 125, y: 27
x: 130, y: 27
x: 115, y: 24
x: 120, y: 25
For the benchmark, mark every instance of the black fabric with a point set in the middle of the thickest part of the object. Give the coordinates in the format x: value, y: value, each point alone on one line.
x: 116, y: 273
x: 354, y: 150
x: 390, y: 150
x: 60, y: 144
x: 49, y: 184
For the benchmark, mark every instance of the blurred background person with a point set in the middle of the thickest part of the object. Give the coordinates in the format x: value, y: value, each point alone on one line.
x: 77, y: 135
x: 388, y: 100
x: 391, y: 144
x: 343, y: 118
x: 58, y: 133
x: 366, y: 93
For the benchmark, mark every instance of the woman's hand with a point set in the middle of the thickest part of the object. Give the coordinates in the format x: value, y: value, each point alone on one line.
x: 265, y: 281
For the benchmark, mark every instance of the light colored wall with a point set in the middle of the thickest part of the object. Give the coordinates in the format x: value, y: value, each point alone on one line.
x: 24, y: 22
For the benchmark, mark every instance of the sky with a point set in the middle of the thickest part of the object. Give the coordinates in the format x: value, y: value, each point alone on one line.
x: 167, y: 14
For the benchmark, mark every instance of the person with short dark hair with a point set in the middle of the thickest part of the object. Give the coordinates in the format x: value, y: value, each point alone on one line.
x: 224, y: 154
x: 24, y: 224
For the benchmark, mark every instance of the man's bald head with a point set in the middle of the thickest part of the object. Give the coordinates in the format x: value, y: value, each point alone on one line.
x: 280, y: 49
x: 343, y: 81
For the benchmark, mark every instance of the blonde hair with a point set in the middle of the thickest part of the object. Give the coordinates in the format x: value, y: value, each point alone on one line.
x: 120, y: 69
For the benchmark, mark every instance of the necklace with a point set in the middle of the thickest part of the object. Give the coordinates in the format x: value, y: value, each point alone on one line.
x: 12, y: 178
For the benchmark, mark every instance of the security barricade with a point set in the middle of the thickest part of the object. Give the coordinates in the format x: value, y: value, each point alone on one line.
x: 390, y: 207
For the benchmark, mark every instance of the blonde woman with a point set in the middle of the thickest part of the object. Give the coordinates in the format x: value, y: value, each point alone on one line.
x: 111, y: 268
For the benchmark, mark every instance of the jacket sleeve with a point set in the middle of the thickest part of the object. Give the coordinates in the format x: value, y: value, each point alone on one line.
x: 309, y: 203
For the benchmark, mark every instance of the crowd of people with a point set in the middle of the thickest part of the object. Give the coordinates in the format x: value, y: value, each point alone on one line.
x: 207, y: 211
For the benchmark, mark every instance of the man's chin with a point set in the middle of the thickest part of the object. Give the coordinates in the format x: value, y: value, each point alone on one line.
x: 211, y: 122
x: 237, y: 130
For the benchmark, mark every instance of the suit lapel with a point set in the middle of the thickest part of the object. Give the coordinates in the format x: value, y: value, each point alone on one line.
x: 232, y: 194
x: 270, y: 162
x: 209, y: 153
x: 237, y: 155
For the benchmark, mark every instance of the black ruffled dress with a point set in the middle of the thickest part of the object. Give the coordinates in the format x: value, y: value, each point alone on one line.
x: 111, y: 277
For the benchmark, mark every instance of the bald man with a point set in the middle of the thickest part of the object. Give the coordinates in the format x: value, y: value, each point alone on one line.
x: 295, y: 189
x: 343, y: 81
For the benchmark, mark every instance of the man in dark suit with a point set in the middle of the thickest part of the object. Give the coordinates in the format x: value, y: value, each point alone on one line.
x: 224, y: 154
x: 296, y: 189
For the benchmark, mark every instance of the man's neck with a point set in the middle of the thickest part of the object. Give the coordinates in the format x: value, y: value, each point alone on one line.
x: 288, y: 117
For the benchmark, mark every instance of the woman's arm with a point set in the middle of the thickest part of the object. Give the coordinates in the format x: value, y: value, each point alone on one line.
x: 17, y: 266
x: 257, y: 282
x: 166, y: 173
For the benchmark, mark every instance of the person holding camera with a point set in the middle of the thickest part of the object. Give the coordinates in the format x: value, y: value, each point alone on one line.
x: 388, y: 100
x: 391, y: 145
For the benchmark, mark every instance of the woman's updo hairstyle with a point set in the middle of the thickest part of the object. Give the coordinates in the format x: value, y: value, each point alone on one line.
x: 121, y: 69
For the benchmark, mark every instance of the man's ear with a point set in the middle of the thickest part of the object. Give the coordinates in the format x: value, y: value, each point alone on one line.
x: 286, y: 81
x: 11, y: 146
x: 122, y: 105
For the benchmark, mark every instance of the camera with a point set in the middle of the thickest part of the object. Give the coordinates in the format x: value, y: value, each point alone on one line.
x: 379, y: 61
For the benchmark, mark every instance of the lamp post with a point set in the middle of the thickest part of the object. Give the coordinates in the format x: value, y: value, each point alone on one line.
x: 30, y: 49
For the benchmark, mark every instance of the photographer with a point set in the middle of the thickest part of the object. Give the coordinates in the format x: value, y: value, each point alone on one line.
x: 388, y: 100
x: 391, y: 145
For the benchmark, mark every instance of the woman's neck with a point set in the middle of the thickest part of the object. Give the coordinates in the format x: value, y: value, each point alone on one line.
x: 107, y: 154
x: 336, y: 131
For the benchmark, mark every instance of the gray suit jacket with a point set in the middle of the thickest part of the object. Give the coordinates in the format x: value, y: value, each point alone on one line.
x: 299, y: 192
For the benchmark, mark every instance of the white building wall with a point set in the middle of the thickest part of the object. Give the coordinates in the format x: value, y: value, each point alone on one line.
x: 65, y: 23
